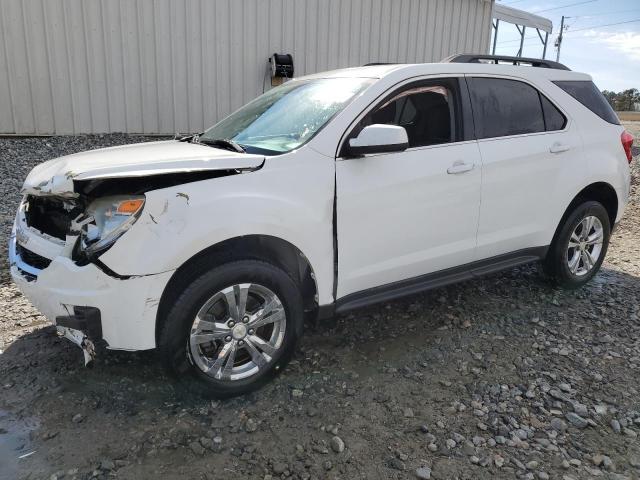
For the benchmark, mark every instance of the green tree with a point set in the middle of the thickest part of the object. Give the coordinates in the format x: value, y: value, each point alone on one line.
x: 627, y: 100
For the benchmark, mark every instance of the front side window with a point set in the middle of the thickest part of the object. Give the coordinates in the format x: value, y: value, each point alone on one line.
x: 288, y: 116
x: 426, y: 112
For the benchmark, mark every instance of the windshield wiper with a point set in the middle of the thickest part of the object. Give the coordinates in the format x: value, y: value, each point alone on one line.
x: 185, y: 137
x: 222, y: 143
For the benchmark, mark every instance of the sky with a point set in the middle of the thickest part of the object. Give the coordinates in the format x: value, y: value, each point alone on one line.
x: 609, y: 53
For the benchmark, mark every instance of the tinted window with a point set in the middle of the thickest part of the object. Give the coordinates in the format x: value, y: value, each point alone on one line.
x: 505, y: 107
x: 553, y: 118
x: 425, y: 112
x: 588, y: 95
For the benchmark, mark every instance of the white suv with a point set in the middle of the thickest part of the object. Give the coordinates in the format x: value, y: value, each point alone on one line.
x: 330, y: 192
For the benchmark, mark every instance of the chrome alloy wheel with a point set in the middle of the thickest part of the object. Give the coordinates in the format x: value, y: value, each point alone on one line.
x: 585, y: 246
x: 237, y: 332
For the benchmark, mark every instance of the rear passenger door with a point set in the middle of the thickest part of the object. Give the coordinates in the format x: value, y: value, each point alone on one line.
x: 528, y: 146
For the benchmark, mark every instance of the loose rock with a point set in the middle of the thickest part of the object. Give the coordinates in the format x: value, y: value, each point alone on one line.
x: 423, y: 473
x: 337, y: 445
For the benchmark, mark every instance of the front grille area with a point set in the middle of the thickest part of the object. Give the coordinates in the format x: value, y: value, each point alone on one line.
x: 32, y: 258
x: 50, y: 215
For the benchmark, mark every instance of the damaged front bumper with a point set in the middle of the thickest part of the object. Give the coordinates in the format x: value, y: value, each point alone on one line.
x: 85, y: 303
x: 83, y: 328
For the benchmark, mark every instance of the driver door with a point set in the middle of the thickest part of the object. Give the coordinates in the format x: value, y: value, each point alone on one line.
x: 401, y: 215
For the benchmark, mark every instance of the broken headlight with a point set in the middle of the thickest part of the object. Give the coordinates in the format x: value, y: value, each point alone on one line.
x: 112, y: 216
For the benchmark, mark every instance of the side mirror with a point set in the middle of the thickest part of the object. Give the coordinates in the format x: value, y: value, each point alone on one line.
x: 379, y: 138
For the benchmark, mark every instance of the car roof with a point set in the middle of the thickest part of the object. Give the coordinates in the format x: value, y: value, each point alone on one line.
x: 408, y: 70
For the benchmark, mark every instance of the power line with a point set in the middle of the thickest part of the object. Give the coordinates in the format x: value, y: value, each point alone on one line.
x: 565, y: 6
x: 601, y: 26
x: 599, y: 14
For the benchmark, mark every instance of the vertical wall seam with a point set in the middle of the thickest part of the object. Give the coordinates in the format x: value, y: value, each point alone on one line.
x: 49, y: 66
x: 124, y: 68
x: 106, y: 70
x: 28, y: 63
x: 417, y: 42
x: 187, y: 62
x: 86, y: 57
x: 229, y: 72
x: 241, y: 48
x: 141, y: 73
x: 155, y: 62
x: 171, y: 66
x: 6, y: 56
x: 68, y: 57
x: 203, y: 62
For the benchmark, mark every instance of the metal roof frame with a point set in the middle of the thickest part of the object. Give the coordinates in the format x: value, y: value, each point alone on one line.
x: 520, y: 17
x: 521, y: 20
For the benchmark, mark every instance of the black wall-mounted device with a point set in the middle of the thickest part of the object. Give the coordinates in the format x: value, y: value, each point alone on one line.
x: 281, y: 65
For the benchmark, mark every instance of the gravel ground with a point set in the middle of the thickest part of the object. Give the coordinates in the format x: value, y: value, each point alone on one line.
x: 503, y: 377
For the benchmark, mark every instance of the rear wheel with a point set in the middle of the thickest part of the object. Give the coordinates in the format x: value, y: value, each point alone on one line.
x: 578, y: 250
x: 233, y: 328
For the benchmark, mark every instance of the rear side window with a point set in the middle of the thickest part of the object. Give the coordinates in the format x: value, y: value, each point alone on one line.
x: 588, y: 95
x: 508, y: 107
x: 553, y: 118
x: 505, y: 107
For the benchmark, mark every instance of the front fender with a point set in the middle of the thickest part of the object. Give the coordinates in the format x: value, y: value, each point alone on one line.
x: 290, y: 198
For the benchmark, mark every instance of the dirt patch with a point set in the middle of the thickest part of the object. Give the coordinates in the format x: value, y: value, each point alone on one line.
x: 629, y: 116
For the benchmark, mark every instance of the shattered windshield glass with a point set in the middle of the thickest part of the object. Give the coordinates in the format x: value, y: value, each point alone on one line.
x: 288, y: 116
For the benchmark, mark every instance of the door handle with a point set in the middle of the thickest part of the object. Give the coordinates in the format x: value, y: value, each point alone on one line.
x: 460, y: 167
x: 559, y: 147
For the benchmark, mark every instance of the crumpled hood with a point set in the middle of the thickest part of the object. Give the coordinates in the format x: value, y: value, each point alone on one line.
x: 55, y: 177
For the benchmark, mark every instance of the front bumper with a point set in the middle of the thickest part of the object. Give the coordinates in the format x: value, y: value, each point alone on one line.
x: 127, y: 306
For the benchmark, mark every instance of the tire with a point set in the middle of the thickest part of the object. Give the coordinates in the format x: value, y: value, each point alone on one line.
x: 560, y: 262
x: 189, y: 347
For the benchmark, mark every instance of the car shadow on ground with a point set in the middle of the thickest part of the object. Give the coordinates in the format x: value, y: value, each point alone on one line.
x: 385, y: 330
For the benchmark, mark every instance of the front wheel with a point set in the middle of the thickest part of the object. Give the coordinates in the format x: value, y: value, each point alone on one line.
x: 578, y: 250
x: 233, y: 328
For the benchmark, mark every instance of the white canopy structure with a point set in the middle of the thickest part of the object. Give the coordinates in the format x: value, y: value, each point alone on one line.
x: 521, y: 20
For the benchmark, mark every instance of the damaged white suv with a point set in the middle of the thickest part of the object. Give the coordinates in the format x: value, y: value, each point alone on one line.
x: 328, y: 193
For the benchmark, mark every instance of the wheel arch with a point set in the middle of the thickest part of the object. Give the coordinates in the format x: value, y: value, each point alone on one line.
x: 271, y: 249
x: 601, y: 192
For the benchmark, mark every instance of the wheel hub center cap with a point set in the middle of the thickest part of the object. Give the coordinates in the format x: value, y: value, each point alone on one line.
x: 239, y: 331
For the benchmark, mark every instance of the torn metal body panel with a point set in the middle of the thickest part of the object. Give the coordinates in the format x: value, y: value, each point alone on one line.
x: 80, y: 339
x: 57, y: 176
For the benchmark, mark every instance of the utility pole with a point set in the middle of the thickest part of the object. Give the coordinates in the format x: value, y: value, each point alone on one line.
x: 559, y: 40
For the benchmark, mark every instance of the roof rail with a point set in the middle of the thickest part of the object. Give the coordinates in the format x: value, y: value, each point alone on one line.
x: 481, y: 58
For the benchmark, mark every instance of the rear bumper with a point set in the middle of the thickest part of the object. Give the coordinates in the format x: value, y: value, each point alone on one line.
x: 127, y: 306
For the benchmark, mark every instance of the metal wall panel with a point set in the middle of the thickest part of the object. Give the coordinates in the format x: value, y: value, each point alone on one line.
x: 161, y: 66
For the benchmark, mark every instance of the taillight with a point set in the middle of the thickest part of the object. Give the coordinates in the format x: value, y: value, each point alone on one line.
x: 627, y: 140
